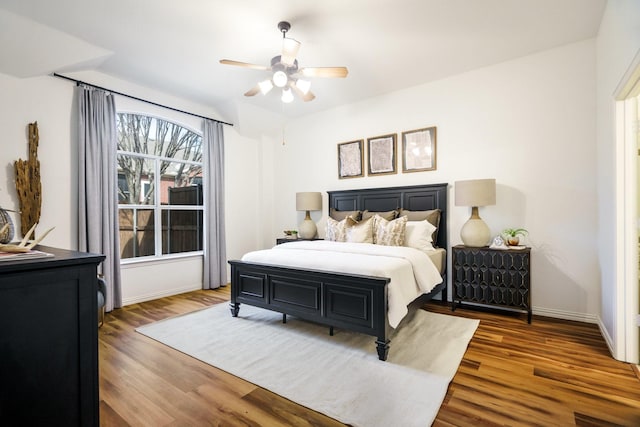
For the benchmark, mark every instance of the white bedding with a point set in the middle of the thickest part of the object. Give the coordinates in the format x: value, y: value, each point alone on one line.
x: 411, y: 271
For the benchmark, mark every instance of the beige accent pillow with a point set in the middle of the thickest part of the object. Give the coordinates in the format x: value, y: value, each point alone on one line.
x: 389, y: 215
x: 361, y: 232
x: 433, y: 216
x: 390, y: 233
x: 337, y: 230
x: 340, y: 215
x: 418, y: 235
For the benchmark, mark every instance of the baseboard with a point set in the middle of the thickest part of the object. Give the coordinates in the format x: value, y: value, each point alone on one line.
x: 161, y: 294
x: 607, y: 337
x: 566, y: 315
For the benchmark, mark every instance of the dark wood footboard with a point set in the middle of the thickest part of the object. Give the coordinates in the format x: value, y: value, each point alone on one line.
x: 352, y: 302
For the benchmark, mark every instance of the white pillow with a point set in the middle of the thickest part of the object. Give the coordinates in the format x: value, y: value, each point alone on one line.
x: 389, y: 233
x: 361, y: 232
x: 418, y: 235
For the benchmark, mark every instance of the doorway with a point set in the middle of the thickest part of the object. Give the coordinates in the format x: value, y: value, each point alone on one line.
x: 628, y: 289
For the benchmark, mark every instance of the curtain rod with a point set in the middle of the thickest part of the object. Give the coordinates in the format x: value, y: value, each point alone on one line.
x: 139, y: 99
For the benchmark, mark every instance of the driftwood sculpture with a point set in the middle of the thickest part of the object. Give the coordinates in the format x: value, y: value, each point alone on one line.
x: 28, y: 185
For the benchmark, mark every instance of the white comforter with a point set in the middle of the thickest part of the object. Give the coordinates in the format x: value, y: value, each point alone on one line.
x: 411, y: 271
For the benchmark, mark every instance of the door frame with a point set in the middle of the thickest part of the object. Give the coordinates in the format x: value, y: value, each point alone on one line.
x: 627, y: 327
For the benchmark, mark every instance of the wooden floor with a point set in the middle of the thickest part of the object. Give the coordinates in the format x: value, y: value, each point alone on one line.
x: 549, y: 373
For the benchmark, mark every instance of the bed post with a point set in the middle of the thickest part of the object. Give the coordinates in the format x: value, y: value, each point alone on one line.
x: 382, y: 345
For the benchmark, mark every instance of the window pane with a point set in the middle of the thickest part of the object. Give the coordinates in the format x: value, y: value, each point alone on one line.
x: 181, y: 231
x: 135, y: 180
x: 136, y: 233
x: 148, y: 135
x: 178, y: 184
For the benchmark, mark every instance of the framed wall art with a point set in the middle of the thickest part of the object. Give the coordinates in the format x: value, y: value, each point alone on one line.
x: 381, y: 151
x: 419, y: 150
x: 351, y: 159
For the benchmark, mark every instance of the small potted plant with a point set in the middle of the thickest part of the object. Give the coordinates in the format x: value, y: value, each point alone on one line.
x: 512, y: 235
x: 291, y: 234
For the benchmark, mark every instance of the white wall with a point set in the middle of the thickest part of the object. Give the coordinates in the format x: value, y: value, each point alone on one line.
x: 529, y: 123
x: 618, y: 43
x: 48, y: 100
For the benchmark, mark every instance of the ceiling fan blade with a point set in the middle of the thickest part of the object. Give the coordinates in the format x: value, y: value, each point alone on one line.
x: 324, y: 72
x: 306, y: 97
x: 243, y: 64
x: 309, y: 96
x: 290, y: 48
x: 253, y: 91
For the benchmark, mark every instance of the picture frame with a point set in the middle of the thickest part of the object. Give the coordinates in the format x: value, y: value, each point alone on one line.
x: 419, y: 150
x: 381, y: 155
x: 351, y: 159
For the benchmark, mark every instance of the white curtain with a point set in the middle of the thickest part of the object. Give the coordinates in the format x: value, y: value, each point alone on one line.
x: 97, y: 186
x: 215, y: 253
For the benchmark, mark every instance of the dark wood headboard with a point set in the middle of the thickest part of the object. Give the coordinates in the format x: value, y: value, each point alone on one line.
x: 413, y: 198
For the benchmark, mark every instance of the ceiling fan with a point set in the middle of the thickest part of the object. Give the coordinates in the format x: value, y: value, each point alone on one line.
x: 285, y: 72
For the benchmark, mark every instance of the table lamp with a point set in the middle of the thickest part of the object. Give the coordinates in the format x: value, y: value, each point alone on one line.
x: 309, y: 201
x: 475, y: 192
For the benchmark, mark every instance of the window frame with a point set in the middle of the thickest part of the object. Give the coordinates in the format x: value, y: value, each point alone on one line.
x: 157, y: 207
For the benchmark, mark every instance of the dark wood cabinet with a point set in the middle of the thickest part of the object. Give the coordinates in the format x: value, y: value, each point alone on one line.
x: 493, y: 277
x: 49, y: 340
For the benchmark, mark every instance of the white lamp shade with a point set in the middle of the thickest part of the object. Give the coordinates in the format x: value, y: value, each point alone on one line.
x: 265, y: 86
x: 280, y: 78
x: 475, y: 192
x: 309, y: 201
x: 287, y: 95
x: 303, y: 85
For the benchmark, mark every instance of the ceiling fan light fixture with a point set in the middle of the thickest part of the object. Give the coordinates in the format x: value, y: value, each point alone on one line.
x: 265, y: 86
x: 287, y: 95
x: 280, y: 78
x: 303, y: 85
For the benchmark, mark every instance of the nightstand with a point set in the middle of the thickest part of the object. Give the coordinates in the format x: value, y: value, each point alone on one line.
x: 281, y: 240
x: 492, y: 277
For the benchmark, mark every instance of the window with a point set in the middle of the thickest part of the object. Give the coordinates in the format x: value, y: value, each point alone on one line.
x: 160, y: 207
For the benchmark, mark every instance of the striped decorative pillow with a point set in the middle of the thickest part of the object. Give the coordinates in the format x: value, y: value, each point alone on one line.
x: 389, y: 233
x: 337, y: 230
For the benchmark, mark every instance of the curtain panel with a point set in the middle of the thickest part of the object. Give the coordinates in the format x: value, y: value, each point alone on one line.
x: 97, y: 185
x: 215, y: 253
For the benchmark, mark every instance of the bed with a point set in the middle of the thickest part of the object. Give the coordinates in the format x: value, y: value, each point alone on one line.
x: 355, y: 302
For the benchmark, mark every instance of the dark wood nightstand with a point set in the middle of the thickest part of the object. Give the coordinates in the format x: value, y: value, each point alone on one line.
x: 492, y: 277
x: 281, y: 240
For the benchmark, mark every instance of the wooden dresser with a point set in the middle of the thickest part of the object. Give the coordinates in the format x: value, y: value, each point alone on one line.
x: 49, y: 340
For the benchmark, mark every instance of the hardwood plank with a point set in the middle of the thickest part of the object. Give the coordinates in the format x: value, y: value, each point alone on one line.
x: 552, y: 372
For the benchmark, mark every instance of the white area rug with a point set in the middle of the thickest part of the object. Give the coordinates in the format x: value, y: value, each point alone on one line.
x: 339, y: 375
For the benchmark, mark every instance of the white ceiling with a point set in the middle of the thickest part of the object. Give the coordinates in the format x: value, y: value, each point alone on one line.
x: 175, y: 46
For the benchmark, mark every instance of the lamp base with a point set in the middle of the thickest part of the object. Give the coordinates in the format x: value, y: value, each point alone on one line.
x: 475, y: 233
x: 307, y: 229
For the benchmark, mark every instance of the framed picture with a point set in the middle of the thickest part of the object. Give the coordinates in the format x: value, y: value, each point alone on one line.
x: 382, y: 154
x: 351, y: 159
x: 419, y: 150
